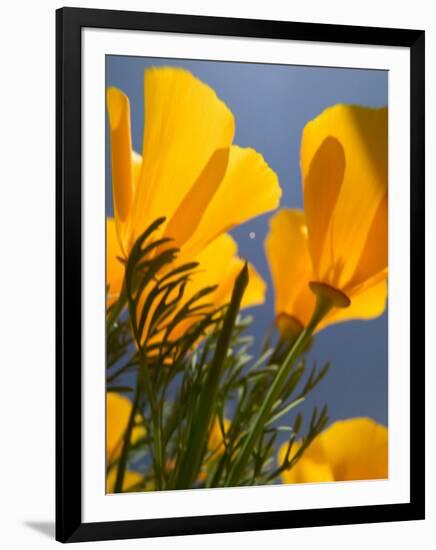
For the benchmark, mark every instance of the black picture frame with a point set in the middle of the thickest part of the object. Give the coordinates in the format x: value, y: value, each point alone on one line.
x: 69, y: 525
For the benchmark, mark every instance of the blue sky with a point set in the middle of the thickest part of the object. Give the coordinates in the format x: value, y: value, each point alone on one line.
x: 271, y: 105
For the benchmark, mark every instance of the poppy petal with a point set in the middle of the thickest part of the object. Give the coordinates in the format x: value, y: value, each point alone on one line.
x: 190, y: 211
x: 368, y: 303
x: 352, y: 449
x: 114, y: 267
x: 121, y: 151
x: 362, y: 134
x: 184, y: 124
x: 249, y: 188
x: 219, y: 265
x: 356, y: 448
x: 312, y: 467
x: 286, y: 248
x: 118, y: 410
x: 374, y: 257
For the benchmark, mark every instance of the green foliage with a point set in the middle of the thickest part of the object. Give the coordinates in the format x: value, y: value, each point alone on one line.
x: 190, y: 372
x: 204, y: 407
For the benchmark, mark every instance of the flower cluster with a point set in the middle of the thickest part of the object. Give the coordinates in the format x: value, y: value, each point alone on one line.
x: 340, y: 239
x: 181, y: 292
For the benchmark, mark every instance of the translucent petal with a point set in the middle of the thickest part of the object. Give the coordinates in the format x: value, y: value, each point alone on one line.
x: 192, y: 208
x: 121, y: 151
x: 114, y: 267
x: 289, y: 261
x: 368, y: 303
x: 184, y: 124
x: 352, y: 209
x: 353, y: 449
x: 249, y: 188
x: 357, y: 449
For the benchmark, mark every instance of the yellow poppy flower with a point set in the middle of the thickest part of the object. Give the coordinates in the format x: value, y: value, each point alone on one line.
x: 218, y: 265
x: 341, y: 239
x: 191, y: 174
x: 287, y: 250
x: 353, y: 449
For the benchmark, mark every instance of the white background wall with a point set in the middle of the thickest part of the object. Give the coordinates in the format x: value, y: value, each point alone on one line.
x: 27, y: 243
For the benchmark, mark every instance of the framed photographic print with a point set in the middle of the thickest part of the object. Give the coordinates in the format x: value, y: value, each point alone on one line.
x: 240, y: 275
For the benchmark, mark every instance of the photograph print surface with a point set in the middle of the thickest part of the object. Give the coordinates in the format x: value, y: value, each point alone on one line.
x: 246, y: 274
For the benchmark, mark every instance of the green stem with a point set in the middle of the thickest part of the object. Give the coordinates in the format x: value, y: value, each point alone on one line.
x: 144, y: 376
x: 205, y: 409
x: 158, y: 458
x: 322, y: 307
x: 159, y: 454
x: 126, y: 444
x: 117, y: 308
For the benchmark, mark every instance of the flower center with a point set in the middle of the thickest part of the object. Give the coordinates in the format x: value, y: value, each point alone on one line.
x: 289, y: 326
x: 334, y: 296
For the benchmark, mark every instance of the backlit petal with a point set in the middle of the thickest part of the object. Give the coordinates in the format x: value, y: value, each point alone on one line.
x: 121, y: 150
x: 192, y: 208
x: 184, y: 124
x: 121, y: 158
x: 357, y: 449
x: 308, y: 471
x: 117, y: 416
x: 362, y: 134
x: 366, y: 304
x: 114, y: 267
x: 214, y: 263
x: 289, y: 261
x: 254, y: 294
x: 137, y: 165
x: 118, y: 409
x: 374, y: 257
x: 249, y: 188
x: 322, y: 186
x: 219, y: 265
x: 312, y: 467
x: 353, y: 449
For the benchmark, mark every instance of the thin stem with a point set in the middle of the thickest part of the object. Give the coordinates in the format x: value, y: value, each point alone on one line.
x: 117, y: 308
x: 128, y: 366
x: 322, y: 307
x: 158, y: 459
x: 126, y: 444
x: 204, y: 409
x: 145, y: 378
